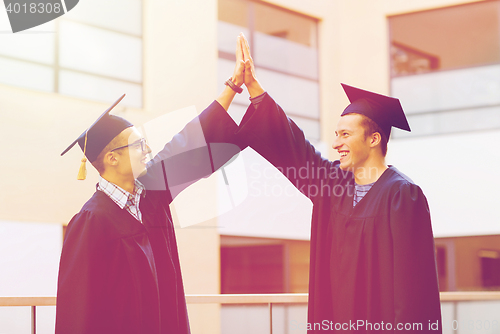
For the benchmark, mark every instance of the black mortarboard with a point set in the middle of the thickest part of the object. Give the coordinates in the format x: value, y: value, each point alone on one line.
x: 384, y: 110
x: 93, y: 140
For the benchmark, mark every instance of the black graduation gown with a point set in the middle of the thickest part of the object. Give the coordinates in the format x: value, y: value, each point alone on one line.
x: 117, y: 275
x: 369, y: 264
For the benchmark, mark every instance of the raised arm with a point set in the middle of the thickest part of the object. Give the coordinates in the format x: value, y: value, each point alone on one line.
x: 204, y: 145
x: 266, y: 128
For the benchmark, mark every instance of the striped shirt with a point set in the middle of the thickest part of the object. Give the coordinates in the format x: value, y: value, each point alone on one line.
x: 361, y: 190
x: 123, y: 198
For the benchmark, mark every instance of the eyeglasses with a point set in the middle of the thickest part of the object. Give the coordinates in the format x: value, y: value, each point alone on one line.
x: 141, y: 142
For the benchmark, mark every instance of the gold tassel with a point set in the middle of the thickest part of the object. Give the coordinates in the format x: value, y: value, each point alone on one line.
x: 82, y: 173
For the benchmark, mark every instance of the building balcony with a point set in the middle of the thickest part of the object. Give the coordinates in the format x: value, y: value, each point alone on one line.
x: 450, y: 101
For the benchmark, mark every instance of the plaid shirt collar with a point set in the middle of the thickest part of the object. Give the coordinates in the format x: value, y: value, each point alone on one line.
x: 123, y: 198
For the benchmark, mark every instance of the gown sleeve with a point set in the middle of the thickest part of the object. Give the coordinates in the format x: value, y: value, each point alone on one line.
x: 278, y: 139
x: 203, y: 146
x: 416, y: 292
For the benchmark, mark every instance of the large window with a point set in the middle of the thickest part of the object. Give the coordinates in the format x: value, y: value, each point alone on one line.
x: 264, y: 265
x: 490, y: 268
x: 445, y: 38
x: 92, y: 52
x: 253, y: 269
x: 445, y: 68
x: 285, y: 51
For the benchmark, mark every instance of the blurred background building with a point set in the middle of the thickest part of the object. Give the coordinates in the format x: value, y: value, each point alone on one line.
x: 440, y: 57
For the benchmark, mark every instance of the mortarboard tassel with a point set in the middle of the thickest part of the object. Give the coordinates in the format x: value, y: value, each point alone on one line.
x: 82, y: 173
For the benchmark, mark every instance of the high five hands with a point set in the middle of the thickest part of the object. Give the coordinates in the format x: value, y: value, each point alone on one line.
x: 239, y: 68
x: 244, y: 71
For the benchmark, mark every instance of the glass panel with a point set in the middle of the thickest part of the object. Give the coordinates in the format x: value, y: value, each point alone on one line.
x: 100, y: 89
x: 26, y: 75
x: 408, y: 60
x: 297, y: 319
x: 295, y: 95
x: 478, y: 316
x: 244, y: 319
x: 284, y: 24
x: 226, y: 36
x: 36, y: 44
x: 448, y: 90
x: 119, y: 15
x: 27, y: 248
x: 45, y: 319
x: 457, y: 121
x: 458, y: 36
x: 447, y: 317
x: 285, y: 55
x: 15, y: 319
x: 283, y: 88
x: 99, y: 51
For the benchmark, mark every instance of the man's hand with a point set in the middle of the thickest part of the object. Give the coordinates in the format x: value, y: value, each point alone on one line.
x: 250, y: 78
x: 239, y: 67
x: 237, y: 78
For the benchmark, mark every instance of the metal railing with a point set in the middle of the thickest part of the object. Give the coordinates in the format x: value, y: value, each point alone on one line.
x: 241, y: 299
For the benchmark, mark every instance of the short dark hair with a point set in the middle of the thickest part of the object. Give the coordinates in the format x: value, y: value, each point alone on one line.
x: 370, y: 128
x: 98, y: 163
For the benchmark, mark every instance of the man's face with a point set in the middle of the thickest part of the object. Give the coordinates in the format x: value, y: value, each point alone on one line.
x: 133, y: 158
x: 351, y: 143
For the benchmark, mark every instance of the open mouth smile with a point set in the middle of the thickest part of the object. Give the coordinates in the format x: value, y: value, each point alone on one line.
x: 343, y: 154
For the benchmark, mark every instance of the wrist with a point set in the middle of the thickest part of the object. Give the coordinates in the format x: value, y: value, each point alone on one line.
x: 255, y: 89
x: 226, y: 97
x: 236, y: 81
x: 228, y: 91
x: 231, y: 84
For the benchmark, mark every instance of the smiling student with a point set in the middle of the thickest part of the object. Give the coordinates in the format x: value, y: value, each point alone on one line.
x: 372, y: 248
x: 119, y: 270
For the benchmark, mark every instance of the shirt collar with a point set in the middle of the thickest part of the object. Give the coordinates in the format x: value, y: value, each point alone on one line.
x: 118, y: 194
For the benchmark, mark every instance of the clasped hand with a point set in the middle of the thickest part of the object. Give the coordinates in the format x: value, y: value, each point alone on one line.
x: 244, y: 71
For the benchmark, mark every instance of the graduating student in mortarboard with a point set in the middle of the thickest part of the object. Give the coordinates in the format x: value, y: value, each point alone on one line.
x: 119, y: 271
x: 372, y: 265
